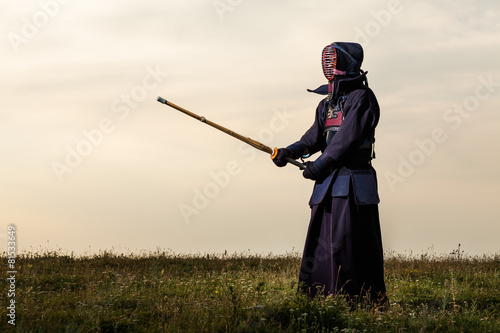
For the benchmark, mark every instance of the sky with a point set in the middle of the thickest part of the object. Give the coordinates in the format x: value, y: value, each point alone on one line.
x: 92, y: 162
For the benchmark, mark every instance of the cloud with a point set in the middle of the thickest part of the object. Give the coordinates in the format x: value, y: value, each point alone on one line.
x: 236, y: 72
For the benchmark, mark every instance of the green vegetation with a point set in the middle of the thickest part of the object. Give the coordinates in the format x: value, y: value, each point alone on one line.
x: 164, y: 292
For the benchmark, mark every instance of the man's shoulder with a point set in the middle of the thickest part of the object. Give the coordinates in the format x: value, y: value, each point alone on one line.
x: 362, y: 95
x: 362, y: 92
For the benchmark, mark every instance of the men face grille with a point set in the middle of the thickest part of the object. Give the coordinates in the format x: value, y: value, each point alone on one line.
x: 329, y: 61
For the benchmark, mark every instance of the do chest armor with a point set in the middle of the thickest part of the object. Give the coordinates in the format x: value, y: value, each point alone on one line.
x: 335, y: 115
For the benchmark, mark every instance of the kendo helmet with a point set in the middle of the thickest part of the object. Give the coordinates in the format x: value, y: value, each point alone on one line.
x: 342, y: 59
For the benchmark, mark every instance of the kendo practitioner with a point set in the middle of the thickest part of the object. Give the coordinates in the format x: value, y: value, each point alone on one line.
x: 343, y: 249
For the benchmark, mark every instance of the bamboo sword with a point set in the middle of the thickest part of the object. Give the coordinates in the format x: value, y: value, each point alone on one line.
x: 260, y: 146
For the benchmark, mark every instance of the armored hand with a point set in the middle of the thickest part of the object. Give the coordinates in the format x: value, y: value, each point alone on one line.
x: 319, y: 169
x: 281, y: 158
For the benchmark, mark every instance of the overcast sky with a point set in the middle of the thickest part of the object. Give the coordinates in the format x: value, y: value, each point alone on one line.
x: 91, y: 161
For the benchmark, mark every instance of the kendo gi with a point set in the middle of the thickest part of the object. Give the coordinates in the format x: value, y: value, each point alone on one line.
x: 343, y: 250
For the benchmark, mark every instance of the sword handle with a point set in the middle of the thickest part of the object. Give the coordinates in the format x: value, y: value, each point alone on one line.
x: 301, y: 166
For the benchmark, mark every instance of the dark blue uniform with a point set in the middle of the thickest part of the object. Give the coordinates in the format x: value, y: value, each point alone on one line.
x: 343, y: 250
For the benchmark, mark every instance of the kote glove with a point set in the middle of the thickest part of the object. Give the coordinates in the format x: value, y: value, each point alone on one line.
x: 280, y: 160
x: 319, y: 169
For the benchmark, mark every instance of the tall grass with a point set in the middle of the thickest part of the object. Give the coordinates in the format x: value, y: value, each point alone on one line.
x: 167, y: 292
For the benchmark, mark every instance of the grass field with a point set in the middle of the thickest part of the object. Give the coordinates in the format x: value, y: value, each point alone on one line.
x: 165, y: 292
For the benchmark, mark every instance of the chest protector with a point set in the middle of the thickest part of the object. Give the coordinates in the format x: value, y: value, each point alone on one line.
x: 334, y: 117
x: 335, y: 114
